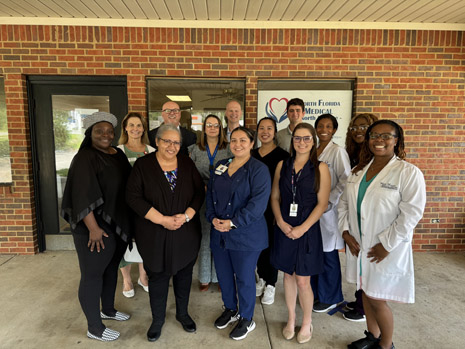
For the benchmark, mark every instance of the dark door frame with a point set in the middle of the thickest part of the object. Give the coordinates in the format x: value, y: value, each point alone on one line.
x: 42, y: 132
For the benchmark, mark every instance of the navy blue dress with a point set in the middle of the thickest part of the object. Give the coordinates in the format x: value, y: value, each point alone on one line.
x: 304, y: 256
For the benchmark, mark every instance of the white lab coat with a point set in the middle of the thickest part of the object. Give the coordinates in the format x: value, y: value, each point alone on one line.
x: 393, y: 204
x: 339, y: 168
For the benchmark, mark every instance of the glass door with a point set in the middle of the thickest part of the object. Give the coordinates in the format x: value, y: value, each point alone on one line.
x: 57, y: 107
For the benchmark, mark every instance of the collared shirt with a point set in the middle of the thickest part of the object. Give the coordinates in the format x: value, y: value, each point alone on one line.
x: 283, y: 138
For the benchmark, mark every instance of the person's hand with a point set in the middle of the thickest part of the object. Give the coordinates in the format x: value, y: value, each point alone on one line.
x: 180, y: 218
x: 222, y: 225
x: 96, y: 239
x: 353, y: 245
x: 171, y: 223
x: 285, y: 228
x: 297, y: 232
x: 377, y: 253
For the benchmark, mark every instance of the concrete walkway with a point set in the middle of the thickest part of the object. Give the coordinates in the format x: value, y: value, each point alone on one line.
x: 39, y: 309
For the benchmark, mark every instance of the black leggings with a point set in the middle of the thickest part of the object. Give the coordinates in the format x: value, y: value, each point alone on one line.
x: 99, y: 274
x: 158, y: 292
x: 264, y: 268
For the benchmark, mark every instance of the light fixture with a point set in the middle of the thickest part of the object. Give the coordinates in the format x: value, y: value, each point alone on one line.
x: 180, y: 98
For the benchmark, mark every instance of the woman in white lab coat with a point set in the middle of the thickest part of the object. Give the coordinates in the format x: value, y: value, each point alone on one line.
x: 327, y: 286
x: 382, y: 203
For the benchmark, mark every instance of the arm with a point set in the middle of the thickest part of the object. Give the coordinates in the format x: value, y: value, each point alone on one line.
x: 276, y: 199
x: 321, y: 206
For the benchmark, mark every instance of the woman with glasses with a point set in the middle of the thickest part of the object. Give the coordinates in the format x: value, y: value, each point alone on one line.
x: 327, y: 286
x: 134, y: 144
x: 211, y: 148
x: 354, y: 139
x: 382, y: 203
x: 237, y: 196
x: 166, y: 192
x: 270, y: 154
x: 299, y: 197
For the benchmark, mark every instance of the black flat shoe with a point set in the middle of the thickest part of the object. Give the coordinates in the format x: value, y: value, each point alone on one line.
x: 154, y: 332
x: 187, y: 323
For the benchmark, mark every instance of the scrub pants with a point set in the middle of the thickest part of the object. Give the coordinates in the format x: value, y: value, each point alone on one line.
x: 99, y: 274
x: 236, y: 275
x: 327, y: 287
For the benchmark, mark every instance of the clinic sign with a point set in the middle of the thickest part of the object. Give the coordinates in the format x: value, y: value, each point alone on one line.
x: 272, y: 104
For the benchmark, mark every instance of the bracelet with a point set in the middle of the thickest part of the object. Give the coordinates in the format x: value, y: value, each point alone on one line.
x: 187, y: 218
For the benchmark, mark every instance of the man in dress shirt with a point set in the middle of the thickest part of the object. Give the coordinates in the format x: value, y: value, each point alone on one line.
x: 171, y: 114
x: 233, y: 115
x: 295, y: 113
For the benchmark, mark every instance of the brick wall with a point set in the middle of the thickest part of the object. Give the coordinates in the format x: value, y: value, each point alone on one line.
x: 414, y: 77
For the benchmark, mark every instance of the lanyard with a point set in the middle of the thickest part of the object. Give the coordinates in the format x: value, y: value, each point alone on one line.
x: 211, y: 157
x: 294, y: 187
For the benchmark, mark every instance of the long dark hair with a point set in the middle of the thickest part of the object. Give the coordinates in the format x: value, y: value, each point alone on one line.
x: 366, y: 155
x: 313, y: 153
x: 222, y: 143
x: 275, y: 128
x: 352, y: 147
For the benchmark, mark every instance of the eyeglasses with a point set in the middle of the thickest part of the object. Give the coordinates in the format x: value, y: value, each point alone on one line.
x: 306, y: 139
x: 383, y: 136
x: 358, y: 128
x: 169, y: 111
x: 212, y: 125
x: 170, y: 142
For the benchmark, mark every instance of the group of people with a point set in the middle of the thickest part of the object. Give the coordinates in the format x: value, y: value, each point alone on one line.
x: 245, y: 205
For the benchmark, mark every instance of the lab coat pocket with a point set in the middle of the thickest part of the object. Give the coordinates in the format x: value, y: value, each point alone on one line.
x: 397, y: 262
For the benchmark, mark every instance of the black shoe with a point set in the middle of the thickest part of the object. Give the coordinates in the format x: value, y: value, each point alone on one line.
x: 187, y: 323
x: 392, y: 346
x: 154, y: 332
x: 242, y: 329
x: 351, y: 305
x: 323, y: 307
x: 369, y: 342
x: 354, y: 315
x: 226, y: 318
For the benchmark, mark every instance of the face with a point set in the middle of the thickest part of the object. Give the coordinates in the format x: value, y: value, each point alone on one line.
x: 134, y: 127
x: 382, y: 147
x: 166, y: 144
x: 295, y: 114
x: 266, y: 131
x: 240, y: 144
x: 102, y: 135
x: 233, y: 112
x: 174, y: 116
x: 212, y: 127
x: 302, y: 145
x: 325, y: 130
x: 360, y: 127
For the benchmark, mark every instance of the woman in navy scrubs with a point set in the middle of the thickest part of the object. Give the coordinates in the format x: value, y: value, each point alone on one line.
x: 237, y: 197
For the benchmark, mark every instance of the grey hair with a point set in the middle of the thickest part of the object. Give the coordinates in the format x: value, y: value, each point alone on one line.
x: 168, y: 127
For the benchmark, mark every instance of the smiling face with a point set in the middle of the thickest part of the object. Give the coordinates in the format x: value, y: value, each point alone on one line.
x: 102, y: 135
x: 167, y: 149
x: 295, y: 114
x: 360, y: 126
x: 299, y: 144
x: 325, y: 130
x: 266, y: 131
x: 240, y: 144
x: 172, y: 117
x: 382, y: 147
x: 134, y: 127
x: 233, y: 112
x: 212, y: 127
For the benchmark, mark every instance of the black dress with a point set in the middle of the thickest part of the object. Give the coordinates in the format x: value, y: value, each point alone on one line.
x: 304, y: 256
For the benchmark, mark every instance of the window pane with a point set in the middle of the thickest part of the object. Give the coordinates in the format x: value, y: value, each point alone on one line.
x: 5, y: 165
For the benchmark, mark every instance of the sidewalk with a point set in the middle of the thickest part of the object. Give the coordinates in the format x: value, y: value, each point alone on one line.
x: 39, y: 309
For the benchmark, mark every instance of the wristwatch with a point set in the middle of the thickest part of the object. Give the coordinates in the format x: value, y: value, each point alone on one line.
x: 187, y: 218
x: 232, y: 225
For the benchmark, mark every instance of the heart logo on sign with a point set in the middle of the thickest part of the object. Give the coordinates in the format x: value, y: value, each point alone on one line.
x: 276, y: 109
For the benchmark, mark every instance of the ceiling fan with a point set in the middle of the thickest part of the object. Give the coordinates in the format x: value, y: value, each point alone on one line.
x: 229, y: 93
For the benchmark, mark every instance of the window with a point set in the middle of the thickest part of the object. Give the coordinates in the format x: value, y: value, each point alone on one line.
x: 201, y: 97
x: 5, y: 164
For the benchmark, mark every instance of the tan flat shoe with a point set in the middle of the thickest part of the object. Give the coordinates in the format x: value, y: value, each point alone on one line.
x: 301, y: 339
x: 288, y: 334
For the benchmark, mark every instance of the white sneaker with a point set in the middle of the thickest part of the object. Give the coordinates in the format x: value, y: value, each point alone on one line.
x: 260, y: 287
x: 268, y: 295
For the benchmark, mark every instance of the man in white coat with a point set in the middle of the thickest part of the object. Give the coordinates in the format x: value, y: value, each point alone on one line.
x: 383, y: 201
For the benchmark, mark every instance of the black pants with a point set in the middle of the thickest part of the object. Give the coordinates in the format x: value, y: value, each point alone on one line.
x: 264, y: 268
x: 158, y: 292
x: 99, y: 274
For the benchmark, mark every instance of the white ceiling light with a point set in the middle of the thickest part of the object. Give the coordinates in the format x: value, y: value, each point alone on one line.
x: 179, y: 98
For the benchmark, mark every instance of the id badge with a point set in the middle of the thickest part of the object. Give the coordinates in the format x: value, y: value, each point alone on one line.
x: 221, y: 169
x: 293, y: 210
